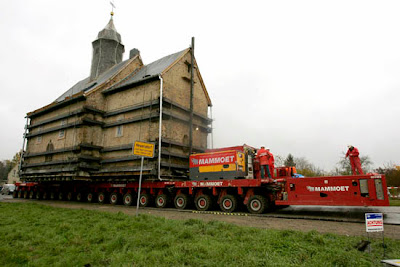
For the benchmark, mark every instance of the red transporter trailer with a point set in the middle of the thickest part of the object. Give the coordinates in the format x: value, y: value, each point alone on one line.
x: 228, y: 177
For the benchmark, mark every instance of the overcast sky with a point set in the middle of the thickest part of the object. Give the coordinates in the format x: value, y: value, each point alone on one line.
x: 301, y: 77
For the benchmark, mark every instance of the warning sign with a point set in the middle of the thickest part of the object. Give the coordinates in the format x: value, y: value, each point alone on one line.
x: 374, y: 222
x: 143, y: 149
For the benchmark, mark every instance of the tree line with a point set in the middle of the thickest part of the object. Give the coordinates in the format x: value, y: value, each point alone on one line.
x: 343, y: 167
x: 6, y: 166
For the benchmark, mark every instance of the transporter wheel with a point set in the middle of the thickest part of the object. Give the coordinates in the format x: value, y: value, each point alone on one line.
x: 203, y: 202
x: 102, y: 198
x: 39, y: 195
x: 31, y: 194
x: 45, y: 195
x: 114, y: 198
x: 70, y: 196
x: 228, y: 203
x: 181, y: 201
x: 127, y: 199
x: 144, y: 200
x: 61, y: 196
x: 20, y: 194
x: 257, y: 204
x: 162, y: 201
x: 53, y: 195
x: 79, y: 196
x: 91, y: 197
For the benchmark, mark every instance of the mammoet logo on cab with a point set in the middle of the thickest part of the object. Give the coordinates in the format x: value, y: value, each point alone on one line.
x: 213, y: 159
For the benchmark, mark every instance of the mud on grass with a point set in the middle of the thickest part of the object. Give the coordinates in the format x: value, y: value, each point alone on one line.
x: 37, y: 235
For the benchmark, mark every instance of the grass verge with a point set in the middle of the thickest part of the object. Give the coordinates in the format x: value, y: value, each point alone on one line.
x: 394, y: 202
x: 37, y: 235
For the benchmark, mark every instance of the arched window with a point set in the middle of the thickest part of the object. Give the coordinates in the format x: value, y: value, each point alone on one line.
x: 50, y: 147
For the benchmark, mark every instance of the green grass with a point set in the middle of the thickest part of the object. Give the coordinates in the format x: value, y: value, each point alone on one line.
x: 394, y: 202
x: 36, y: 235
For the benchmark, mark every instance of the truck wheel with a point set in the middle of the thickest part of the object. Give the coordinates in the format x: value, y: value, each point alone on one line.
x: 127, y: 199
x: 181, y: 201
x: 70, y: 196
x: 91, y: 197
x: 102, y: 198
x: 20, y: 194
x: 203, y: 202
x: 228, y: 203
x: 61, y: 196
x: 144, y: 200
x: 38, y: 195
x: 257, y: 204
x: 79, y: 197
x: 53, y: 195
x: 114, y: 198
x: 162, y: 201
x: 31, y: 194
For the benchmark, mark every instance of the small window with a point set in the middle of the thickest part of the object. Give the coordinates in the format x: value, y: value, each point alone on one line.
x: 50, y: 148
x: 61, y: 134
x: 119, y: 131
x: 39, y: 139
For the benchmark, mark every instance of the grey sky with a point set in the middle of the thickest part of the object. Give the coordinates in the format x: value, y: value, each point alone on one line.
x: 302, y: 77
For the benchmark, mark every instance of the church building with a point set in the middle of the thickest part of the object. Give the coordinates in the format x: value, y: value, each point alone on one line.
x: 88, y: 132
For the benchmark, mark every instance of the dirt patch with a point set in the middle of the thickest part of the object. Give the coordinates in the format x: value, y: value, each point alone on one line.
x: 341, y: 228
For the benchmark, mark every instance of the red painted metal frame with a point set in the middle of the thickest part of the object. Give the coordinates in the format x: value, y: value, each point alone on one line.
x: 339, y: 190
x: 333, y: 191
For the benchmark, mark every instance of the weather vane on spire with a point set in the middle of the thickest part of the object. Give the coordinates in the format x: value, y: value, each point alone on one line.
x: 112, y: 7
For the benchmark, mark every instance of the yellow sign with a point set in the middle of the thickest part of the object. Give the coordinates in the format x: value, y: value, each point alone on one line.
x: 143, y: 149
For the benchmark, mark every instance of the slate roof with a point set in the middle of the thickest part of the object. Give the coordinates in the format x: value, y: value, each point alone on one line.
x: 153, y: 69
x: 84, y: 85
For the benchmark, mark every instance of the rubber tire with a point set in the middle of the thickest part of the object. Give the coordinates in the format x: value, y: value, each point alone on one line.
x: 53, y: 196
x: 181, y: 201
x: 38, y: 195
x: 161, y: 201
x: 70, y: 196
x: 228, y: 203
x: 102, y: 198
x: 61, y: 196
x: 114, y: 198
x: 146, y: 202
x: 80, y: 196
x: 257, y: 204
x: 203, y: 206
x: 91, y: 197
x: 32, y: 194
x: 127, y: 199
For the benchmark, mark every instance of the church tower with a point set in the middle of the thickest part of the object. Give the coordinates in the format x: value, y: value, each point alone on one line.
x: 107, y: 50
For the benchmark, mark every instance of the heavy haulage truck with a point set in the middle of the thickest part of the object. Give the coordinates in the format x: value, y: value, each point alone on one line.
x: 227, y: 177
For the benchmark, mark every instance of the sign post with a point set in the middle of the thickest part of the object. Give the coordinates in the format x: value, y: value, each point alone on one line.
x: 142, y: 149
x: 374, y: 223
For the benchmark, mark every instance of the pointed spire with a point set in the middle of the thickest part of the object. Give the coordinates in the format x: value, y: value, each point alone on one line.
x: 107, y: 50
x: 109, y: 32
